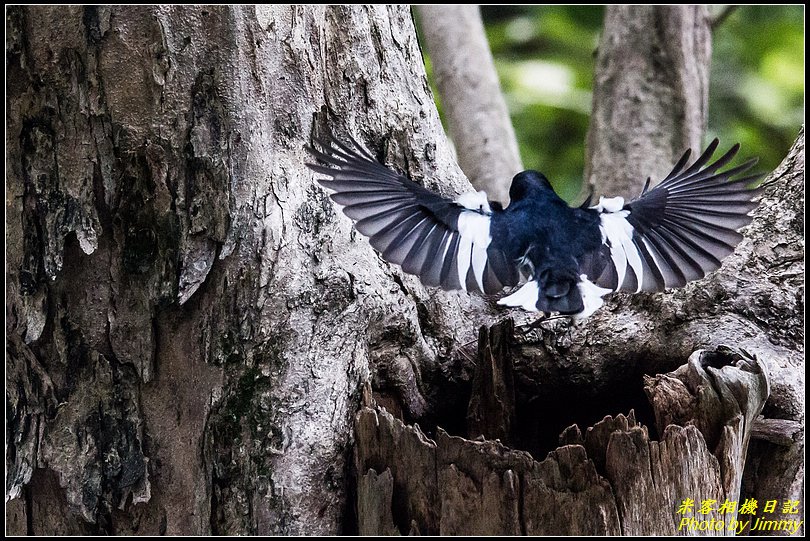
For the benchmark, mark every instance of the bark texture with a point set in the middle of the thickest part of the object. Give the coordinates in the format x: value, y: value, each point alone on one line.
x: 188, y: 317
x: 740, y: 334
x: 650, y: 99
x: 471, y: 97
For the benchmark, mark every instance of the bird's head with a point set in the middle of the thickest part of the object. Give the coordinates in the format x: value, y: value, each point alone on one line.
x: 526, y: 183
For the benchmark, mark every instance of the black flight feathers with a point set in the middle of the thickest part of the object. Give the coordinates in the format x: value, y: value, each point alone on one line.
x: 569, y: 257
x: 412, y: 226
x: 685, y: 226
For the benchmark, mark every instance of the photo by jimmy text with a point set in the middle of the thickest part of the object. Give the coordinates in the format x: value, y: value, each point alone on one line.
x: 711, y: 515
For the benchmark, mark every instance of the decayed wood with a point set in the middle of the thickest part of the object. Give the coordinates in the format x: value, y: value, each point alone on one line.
x: 650, y: 100
x: 565, y: 493
x: 374, y: 497
x: 636, y: 481
x: 474, y: 106
x: 188, y: 314
x: 385, y: 443
x: 479, y: 486
x: 492, y: 405
x: 779, y: 431
x: 614, y: 479
x: 735, y: 394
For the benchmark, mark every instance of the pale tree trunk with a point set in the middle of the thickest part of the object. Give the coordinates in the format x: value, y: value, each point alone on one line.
x: 474, y: 106
x: 188, y: 317
x: 651, y: 91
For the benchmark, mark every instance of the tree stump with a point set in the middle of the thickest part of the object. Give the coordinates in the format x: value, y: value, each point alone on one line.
x: 739, y: 333
x: 611, y: 479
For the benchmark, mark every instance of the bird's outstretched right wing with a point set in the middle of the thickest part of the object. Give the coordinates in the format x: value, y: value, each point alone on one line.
x: 676, y: 232
x: 446, y: 243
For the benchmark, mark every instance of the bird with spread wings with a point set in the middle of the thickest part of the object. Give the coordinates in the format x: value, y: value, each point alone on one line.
x: 566, y: 258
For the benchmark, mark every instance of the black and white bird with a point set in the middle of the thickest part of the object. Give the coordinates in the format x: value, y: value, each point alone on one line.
x: 568, y: 258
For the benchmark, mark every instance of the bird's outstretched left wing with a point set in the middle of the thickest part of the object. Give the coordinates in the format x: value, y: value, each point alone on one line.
x: 676, y: 232
x: 446, y: 243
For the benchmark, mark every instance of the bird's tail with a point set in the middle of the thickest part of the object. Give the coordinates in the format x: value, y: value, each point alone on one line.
x: 553, y: 288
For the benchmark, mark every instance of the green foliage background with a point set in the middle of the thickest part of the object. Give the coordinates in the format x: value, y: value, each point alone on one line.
x: 545, y: 58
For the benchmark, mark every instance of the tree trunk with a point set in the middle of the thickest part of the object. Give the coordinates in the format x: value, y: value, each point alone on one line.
x: 189, y: 320
x: 471, y: 96
x: 650, y: 99
x: 188, y: 317
x: 687, y: 433
x: 687, y: 436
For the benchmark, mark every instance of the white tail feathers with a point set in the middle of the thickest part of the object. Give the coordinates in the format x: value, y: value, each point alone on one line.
x: 525, y: 297
x: 591, y: 297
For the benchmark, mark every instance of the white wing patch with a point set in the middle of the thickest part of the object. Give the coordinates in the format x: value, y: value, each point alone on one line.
x: 475, y: 238
x: 525, y: 297
x: 477, y: 201
x: 464, y: 252
x: 609, y: 204
x: 617, y: 230
x: 472, y: 247
x: 591, y: 297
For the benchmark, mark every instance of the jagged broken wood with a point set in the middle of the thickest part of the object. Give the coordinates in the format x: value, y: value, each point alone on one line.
x: 613, y: 479
x: 492, y: 405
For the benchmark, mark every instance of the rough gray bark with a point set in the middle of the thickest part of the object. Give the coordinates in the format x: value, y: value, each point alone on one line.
x: 188, y: 318
x: 740, y: 329
x: 471, y: 97
x: 650, y: 99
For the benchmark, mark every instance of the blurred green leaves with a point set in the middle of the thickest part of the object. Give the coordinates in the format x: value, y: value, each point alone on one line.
x: 756, y: 95
x: 545, y: 57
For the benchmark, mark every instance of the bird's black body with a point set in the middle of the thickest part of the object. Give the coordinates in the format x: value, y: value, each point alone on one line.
x: 569, y: 258
x: 540, y: 228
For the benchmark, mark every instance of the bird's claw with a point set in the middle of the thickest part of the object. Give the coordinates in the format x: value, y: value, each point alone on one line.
x: 537, y: 323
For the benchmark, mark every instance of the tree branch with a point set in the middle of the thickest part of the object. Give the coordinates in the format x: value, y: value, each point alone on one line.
x: 471, y: 96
